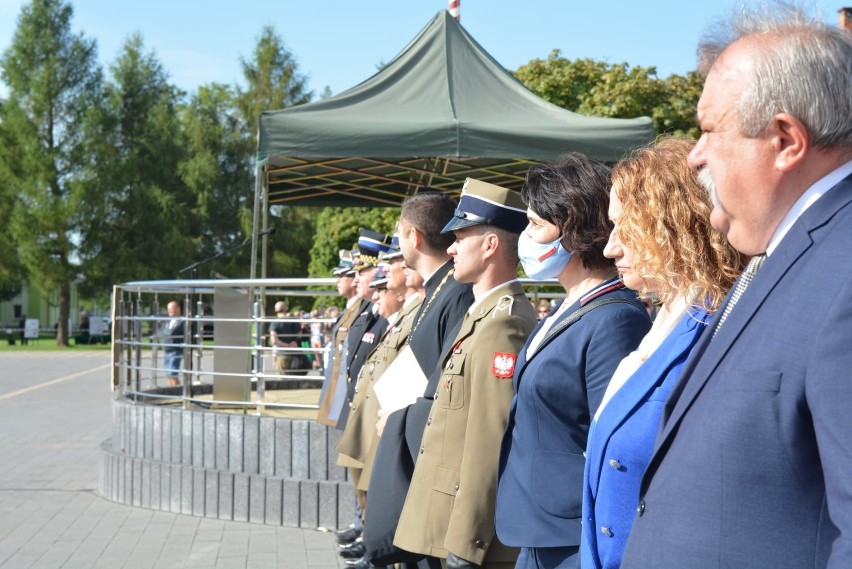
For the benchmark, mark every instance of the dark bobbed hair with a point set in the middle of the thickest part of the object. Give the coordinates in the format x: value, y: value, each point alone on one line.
x: 572, y: 193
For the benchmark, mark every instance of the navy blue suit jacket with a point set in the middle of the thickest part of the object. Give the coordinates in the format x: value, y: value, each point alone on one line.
x: 753, y: 465
x: 558, y: 389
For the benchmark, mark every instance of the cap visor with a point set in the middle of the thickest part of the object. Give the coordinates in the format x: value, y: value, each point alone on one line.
x: 458, y: 223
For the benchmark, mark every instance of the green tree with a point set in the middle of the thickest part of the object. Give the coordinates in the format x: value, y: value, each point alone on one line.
x: 12, y: 272
x: 217, y: 170
x: 53, y: 80
x: 273, y: 82
x: 601, y: 89
x: 140, y: 212
x: 561, y: 81
x: 338, y: 229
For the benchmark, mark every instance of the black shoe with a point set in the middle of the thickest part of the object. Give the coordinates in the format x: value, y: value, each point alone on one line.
x: 354, y: 550
x: 360, y: 563
x: 347, y: 536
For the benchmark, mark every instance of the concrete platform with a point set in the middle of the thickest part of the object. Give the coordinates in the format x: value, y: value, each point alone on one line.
x: 55, y: 415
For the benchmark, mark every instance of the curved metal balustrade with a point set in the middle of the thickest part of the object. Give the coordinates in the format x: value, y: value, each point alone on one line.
x: 235, y: 440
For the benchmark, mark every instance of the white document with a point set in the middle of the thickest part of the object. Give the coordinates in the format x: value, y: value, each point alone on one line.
x: 402, y: 383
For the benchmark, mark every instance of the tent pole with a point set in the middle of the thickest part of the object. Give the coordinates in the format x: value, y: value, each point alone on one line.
x: 258, y: 189
x: 265, y: 244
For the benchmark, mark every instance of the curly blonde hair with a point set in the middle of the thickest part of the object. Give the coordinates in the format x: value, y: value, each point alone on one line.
x: 665, y: 221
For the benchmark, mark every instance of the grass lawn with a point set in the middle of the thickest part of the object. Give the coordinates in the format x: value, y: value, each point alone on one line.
x: 47, y: 345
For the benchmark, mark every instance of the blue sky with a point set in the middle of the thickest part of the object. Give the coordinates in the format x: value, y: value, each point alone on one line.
x: 339, y: 43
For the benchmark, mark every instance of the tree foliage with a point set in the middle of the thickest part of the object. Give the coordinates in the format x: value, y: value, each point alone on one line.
x: 141, y: 223
x: 217, y: 170
x: 53, y: 81
x: 12, y: 272
x: 273, y: 79
x: 273, y: 82
x: 601, y: 89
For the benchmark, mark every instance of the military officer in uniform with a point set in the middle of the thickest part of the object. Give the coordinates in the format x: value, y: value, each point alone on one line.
x: 398, y: 303
x: 449, y: 508
x: 445, y: 302
x: 331, y: 398
x: 360, y: 432
x: 370, y: 325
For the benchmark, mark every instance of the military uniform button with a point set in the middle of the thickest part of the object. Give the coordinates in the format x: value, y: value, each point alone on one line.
x: 479, y: 543
x: 456, y: 487
x: 615, y: 464
x: 641, y: 508
x: 606, y: 531
x: 422, y: 450
x: 367, y: 396
x: 352, y: 406
x: 428, y: 421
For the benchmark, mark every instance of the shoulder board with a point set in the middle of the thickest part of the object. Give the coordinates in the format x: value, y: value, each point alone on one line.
x: 504, y: 304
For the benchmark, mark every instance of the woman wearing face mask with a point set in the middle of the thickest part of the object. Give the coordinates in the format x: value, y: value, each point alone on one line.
x: 664, y: 246
x: 562, y: 372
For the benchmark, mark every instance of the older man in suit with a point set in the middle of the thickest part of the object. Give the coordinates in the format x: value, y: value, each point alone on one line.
x: 752, y: 465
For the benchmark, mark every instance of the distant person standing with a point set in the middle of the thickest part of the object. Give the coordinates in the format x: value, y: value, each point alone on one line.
x: 284, y: 334
x: 173, y: 336
x: 22, y: 324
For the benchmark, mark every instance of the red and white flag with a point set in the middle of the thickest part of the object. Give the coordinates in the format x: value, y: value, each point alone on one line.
x: 455, y: 9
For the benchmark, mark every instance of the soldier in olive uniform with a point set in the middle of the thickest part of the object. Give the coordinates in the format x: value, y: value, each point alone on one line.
x: 369, y: 327
x: 332, y: 397
x: 360, y: 429
x: 449, y: 509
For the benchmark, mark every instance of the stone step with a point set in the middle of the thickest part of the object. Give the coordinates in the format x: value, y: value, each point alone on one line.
x: 269, y: 470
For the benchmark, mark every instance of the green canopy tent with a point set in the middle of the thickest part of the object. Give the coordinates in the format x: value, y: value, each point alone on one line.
x: 442, y: 110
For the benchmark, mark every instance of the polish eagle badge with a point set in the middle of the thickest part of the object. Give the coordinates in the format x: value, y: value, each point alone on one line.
x: 503, y: 365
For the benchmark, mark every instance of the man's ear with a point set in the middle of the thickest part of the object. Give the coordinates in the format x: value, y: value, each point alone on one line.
x: 416, y: 237
x: 490, y: 244
x: 790, y: 141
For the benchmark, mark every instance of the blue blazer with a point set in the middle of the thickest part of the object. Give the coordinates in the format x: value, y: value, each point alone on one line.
x: 621, y: 441
x: 558, y: 389
x: 753, y: 463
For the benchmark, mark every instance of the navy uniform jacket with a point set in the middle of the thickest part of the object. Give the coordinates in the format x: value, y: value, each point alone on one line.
x: 753, y: 463
x: 431, y: 336
x: 558, y: 389
x: 368, y: 328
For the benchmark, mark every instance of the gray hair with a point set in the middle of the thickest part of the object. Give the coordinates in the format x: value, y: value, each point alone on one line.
x: 806, y: 72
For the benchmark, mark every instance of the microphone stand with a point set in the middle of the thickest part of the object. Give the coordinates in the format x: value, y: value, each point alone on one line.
x: 194, y: 267
x: 194, y: 275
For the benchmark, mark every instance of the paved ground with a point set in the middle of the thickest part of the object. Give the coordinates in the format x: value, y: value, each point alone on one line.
x: 54, y: 413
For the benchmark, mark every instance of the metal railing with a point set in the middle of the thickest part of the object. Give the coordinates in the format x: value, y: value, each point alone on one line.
x: 227, y: 360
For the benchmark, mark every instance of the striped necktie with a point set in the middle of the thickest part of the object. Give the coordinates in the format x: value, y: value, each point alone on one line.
x: 742, y: 283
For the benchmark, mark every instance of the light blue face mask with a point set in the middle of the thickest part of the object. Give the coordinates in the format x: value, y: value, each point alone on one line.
x: 542, y: 260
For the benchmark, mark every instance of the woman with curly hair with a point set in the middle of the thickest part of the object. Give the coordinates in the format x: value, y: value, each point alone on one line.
x: 663, y: 247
